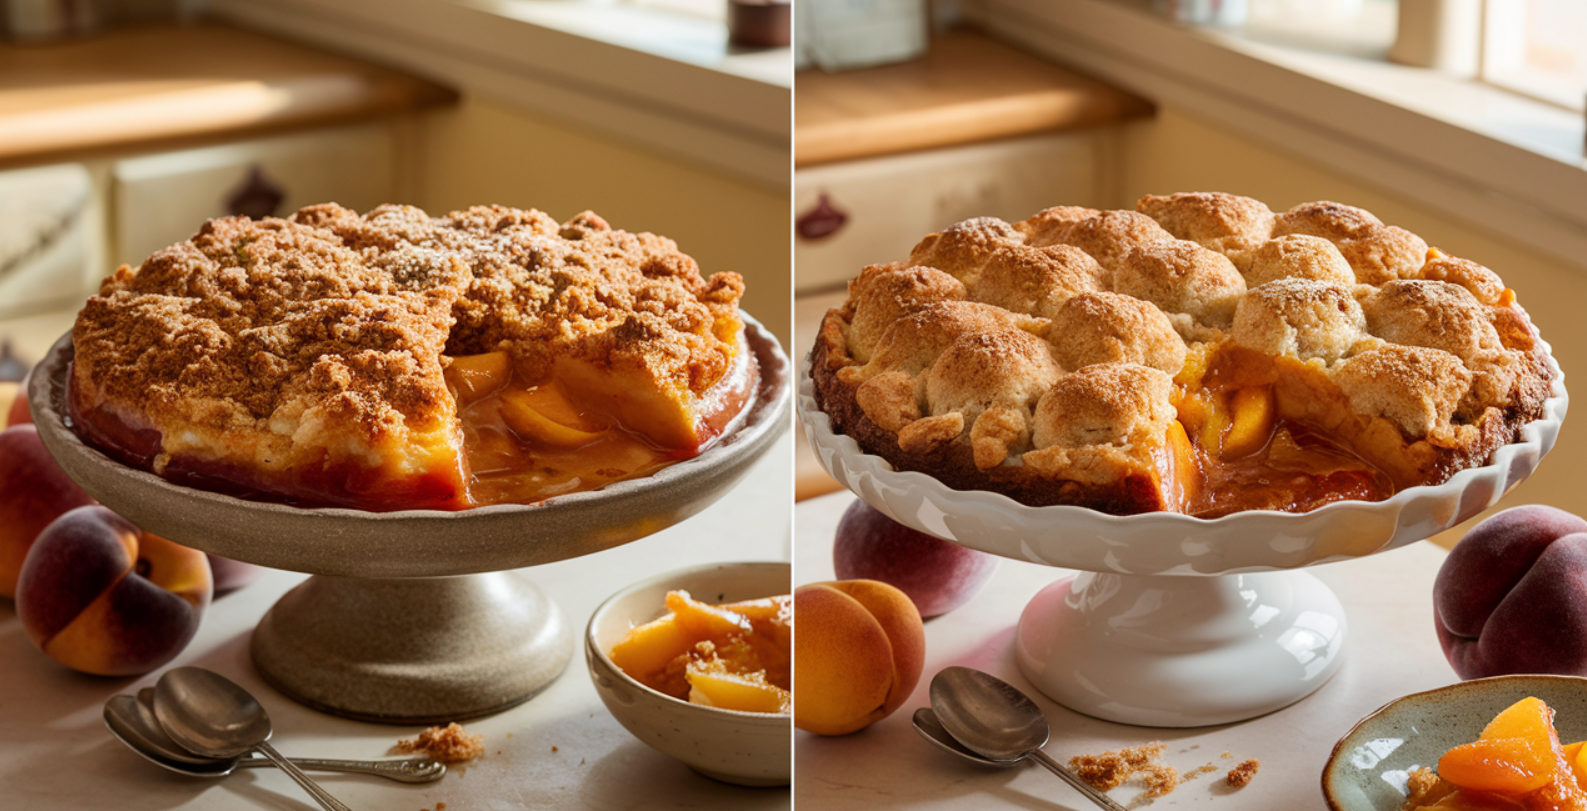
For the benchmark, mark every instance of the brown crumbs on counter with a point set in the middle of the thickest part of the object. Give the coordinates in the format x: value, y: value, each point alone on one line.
x: 440, y: 807
x: 1229, y: 755
x: 1199, y: 771
x: 1109, y: 770
x: 448, y: 744
x: 1160, y: 780
x: 1241, y: 775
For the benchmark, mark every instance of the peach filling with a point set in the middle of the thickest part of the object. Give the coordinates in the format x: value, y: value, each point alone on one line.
x: 733, y: 656
x: 1516, y: 762
x: 527, y: 440
x: 1248, y: 456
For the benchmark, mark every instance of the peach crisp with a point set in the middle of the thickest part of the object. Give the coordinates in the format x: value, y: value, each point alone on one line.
x: 733, y: 656
x: 1517, y: 762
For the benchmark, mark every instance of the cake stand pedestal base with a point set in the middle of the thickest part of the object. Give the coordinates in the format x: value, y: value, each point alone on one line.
x: 1174, y: 651
x: 413, y: 651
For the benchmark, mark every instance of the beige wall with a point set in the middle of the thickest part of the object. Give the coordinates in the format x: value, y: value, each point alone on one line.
x: 487, y: 151
x: 1175, y: 152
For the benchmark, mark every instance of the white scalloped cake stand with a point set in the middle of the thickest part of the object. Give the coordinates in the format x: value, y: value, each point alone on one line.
x: 1178, y: 621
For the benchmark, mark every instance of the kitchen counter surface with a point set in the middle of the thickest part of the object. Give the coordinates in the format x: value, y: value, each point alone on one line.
x: 1391, y: 651
x: 967, y: 88
x: 147, y: 85
x: 561, y: 750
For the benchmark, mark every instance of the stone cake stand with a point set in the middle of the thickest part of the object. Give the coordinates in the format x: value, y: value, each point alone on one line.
x: 412, y: 617
x: 1177, y: 621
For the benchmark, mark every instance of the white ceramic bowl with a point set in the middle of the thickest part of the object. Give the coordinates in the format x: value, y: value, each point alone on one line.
x: 1170, y: 543
x: 746, y: 748
x: 1368, y: 767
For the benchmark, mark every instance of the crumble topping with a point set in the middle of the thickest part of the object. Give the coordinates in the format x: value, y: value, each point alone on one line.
x: 448, y: 744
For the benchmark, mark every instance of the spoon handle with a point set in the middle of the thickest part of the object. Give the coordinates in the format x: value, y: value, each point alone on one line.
x: 325, y: 800
x: 1073, y: 779
x: 410, y: 770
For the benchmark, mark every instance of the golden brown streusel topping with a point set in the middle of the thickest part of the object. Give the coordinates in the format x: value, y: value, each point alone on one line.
x: 1240, y: 776
x: 255, y: 321
x: 448, y: 744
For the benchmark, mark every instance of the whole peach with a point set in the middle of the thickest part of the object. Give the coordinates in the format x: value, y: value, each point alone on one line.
x: 19, y: 413
x: 858, y: 653
x: 100, y: 596
x: 33, y: 492
x: 1512, y: 595
x: 230, y: 575
x: 938, y: 575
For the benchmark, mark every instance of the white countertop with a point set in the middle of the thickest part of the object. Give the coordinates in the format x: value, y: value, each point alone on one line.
x: 561, y: 750
x: 1392, y: 651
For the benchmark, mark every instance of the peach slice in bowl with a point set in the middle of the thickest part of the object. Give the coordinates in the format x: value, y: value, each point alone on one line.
x: 734, y: 746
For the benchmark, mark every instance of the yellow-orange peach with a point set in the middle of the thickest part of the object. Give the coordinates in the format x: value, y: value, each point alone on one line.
x: 857, y: 654
x: 98, y: 595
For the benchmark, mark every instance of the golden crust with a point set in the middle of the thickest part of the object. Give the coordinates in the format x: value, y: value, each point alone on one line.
x: 1111, y: 236
x: 1414, y: 387
x: 1114, y: 328
x: 1409, y: 379
x: 1229, y: 224
x: 1182, y: 277
x: 1298, y: 256
x: 1301, y: 318
x: 320, y: 338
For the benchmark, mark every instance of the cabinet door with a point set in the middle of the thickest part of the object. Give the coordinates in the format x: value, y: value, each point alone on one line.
x: 162, y: 199
x: 887, y: 204
x: 50, y: 226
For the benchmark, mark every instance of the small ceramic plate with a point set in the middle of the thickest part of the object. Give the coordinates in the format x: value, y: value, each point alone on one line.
x: 1170, y: 543
x: 1369, y: 765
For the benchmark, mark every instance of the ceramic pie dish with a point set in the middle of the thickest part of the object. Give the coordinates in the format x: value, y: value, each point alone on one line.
x: 1171, y: 543
x: 419, y: 543
x: 1368, y: 767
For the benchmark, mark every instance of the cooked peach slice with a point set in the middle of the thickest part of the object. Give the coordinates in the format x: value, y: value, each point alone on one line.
x: 704, y: 621
x: 712, y: 685
x: 1518, y: 752
x: 475, y: 376
x: 544, y: 413
x: 648, y: 648
x: 1252, y: 413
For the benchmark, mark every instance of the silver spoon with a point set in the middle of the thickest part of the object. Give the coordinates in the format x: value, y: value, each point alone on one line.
x: 133, y: 723
x: 995, y: 720
x: 205, y: 713
x: 930, y: 728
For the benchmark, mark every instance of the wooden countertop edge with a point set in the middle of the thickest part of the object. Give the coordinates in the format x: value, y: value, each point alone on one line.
x: 184, y: 118
x: 958, y: 124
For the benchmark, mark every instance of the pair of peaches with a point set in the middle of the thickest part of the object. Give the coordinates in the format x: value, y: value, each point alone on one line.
x: 94, y: 592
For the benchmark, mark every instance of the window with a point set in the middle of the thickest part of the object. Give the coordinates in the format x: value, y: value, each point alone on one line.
x: 1538, y: 47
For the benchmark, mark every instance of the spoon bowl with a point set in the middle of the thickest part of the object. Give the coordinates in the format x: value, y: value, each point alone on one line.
x: 931, y: 729
x: 208, y: 714
x: 133, y: 723
x: 993, y: 719
x: 125, y: 718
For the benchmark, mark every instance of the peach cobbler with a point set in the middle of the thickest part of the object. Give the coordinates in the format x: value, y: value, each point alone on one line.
x: 1202, y: 354
x: 402, y: 361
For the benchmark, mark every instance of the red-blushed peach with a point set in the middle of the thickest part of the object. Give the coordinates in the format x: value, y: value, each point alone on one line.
x: 19, y: 413
x: 858, y: 653
x: 938, y: 575
x: 230, y: 575
x: 1512, y: 595
x: 100, y: 596
x: 33, y: 492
